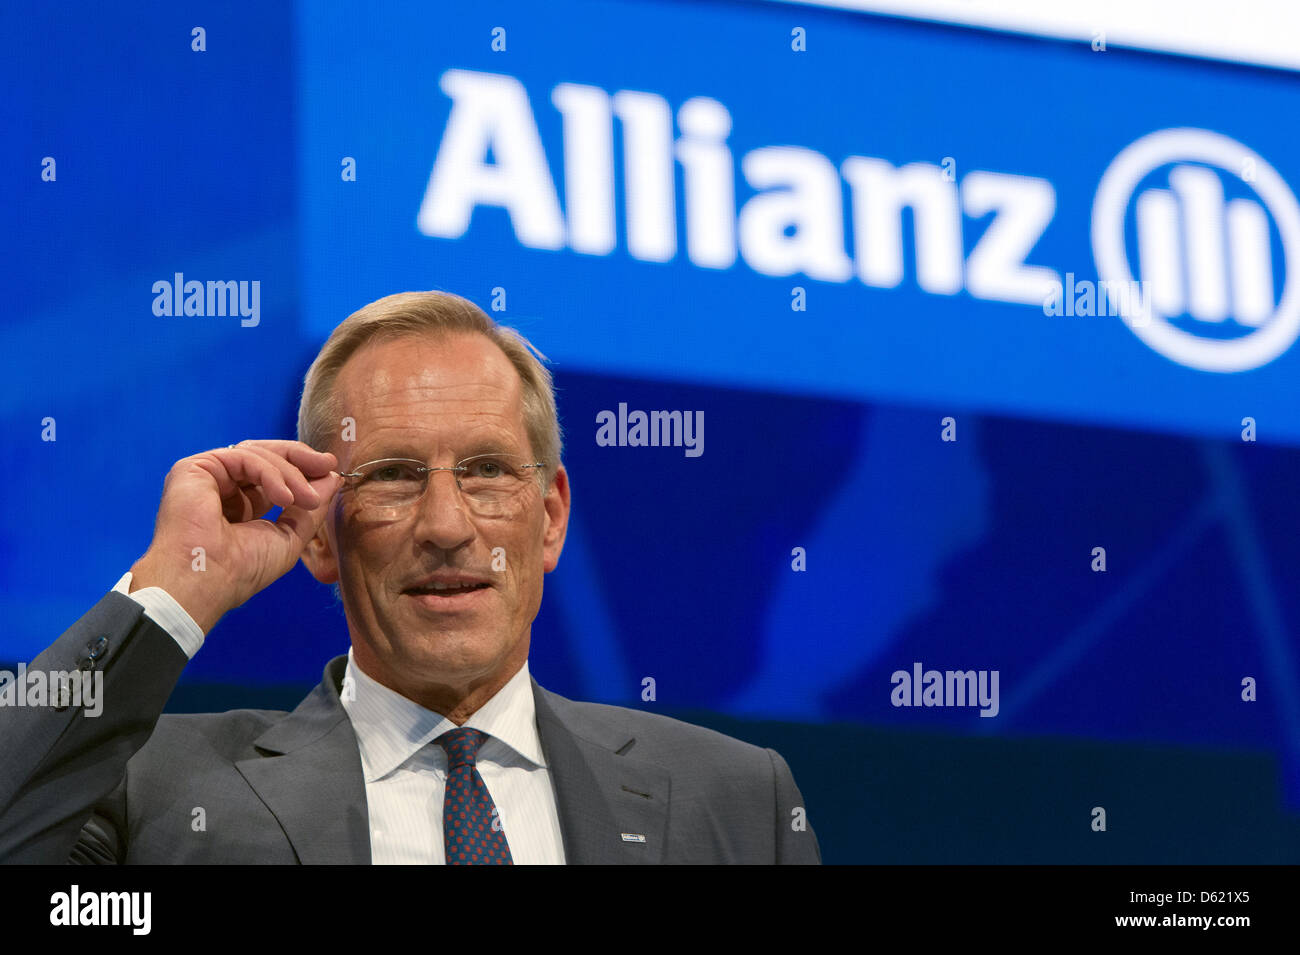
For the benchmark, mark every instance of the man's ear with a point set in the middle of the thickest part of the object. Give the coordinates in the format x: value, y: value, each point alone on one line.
x: 319, y: 558
x: 556, y: 503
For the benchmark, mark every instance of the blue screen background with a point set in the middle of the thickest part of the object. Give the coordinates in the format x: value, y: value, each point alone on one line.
x: 822, y: 428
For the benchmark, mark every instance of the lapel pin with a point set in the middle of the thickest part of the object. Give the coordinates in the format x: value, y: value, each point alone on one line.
x: 633, y: 837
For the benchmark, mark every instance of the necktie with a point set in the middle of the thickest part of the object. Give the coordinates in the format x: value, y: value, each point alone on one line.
x: 471, y: 828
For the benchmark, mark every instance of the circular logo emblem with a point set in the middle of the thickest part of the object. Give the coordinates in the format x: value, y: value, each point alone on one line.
x: 1271, y: 332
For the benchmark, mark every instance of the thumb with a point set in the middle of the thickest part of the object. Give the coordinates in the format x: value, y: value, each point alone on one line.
x: 304, y: 522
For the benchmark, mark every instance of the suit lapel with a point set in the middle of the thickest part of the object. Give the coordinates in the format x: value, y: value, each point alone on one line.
x: 605, y: 800
x: 309, y: 776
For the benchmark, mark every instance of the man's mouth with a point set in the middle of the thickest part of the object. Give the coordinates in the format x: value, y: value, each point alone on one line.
x: 445, y: 590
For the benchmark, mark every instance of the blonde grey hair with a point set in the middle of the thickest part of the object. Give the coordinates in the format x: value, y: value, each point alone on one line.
x: 415, y: 314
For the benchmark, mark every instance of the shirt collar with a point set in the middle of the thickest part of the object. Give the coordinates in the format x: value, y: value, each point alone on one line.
x: 390, y: 728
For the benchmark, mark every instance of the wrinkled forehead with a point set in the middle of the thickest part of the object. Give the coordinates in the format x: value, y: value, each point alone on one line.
x: 456, y: 387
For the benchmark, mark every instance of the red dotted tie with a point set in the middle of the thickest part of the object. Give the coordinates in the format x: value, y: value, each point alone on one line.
x: 471, y: 827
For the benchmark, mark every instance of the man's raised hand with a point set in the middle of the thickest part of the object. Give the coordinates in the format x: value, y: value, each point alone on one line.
x: 215, y: 500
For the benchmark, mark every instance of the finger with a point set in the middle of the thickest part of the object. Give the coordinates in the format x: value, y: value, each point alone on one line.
x: 246, y: 504
x: 235, y: 468
x: 303, y: 456
x: 237, y: 508
x: 327, y: 485
x: 304, y: 495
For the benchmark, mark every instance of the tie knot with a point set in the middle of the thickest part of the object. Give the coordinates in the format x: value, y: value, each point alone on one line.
x: 462, y: 745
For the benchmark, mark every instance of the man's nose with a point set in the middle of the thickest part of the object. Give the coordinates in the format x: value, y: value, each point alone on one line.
x: 441, y: 517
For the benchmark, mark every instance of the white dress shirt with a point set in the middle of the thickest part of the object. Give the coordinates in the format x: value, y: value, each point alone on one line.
x: 406, y: 772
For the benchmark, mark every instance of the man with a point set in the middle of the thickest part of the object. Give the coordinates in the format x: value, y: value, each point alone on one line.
x: 427, y: 487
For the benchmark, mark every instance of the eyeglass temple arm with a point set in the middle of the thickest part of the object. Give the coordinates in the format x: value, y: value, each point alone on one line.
x: 347, y: 474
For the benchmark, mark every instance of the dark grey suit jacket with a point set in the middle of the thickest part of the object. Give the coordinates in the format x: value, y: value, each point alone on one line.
x: 126, y: 786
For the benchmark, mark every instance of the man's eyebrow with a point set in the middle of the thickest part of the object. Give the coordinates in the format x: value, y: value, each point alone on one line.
x: 383, y: 452
x: 488, y: 446
x: 461, y: 450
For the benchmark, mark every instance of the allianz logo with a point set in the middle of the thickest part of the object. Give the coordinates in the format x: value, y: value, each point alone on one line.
x: 1206, y: 260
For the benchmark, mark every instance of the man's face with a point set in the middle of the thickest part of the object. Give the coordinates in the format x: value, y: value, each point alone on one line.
x: 438, y: 400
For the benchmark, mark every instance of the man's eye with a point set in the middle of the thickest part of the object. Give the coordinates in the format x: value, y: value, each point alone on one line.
x: 391, y: 472
x: 486, y: 469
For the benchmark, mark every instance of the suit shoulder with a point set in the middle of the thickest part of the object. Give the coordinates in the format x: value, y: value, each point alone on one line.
x: 667, y: 735
x: 229, y: 735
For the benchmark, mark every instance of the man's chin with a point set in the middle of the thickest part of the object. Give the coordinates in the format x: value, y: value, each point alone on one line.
x: 434, y: 675
x: 451, y: 654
